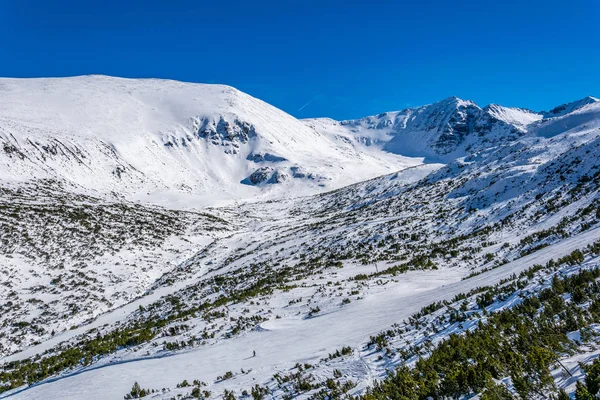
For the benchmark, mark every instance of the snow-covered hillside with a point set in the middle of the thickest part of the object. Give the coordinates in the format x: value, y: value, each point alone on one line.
x: 158, y: 137
x: 331, y: 288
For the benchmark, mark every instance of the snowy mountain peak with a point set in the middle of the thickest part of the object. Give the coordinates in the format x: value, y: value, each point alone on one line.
x: 454, y: 101
x: 451, y: 128
x: 570, y: 107
x: 152, y: 136
x: 439, y: 132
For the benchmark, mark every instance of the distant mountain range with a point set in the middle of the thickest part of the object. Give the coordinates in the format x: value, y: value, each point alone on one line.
x: 147, y: 139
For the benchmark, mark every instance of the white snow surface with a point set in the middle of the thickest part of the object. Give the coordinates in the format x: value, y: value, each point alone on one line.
x: 159, y: 140
x: 570, y: 107
x: 517, y: 116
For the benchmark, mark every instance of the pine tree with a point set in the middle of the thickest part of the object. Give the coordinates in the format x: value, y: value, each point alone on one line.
x: 592, y: 379
x: 582, y: 393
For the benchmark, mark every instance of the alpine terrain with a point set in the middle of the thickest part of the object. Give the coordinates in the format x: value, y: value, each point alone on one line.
x: 167, y: 240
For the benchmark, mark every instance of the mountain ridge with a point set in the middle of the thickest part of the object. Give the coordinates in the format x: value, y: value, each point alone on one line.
x: 149, y: 138
x: 448, y: 129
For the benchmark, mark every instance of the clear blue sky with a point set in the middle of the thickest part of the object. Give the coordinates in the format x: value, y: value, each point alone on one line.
x: 353, y: 58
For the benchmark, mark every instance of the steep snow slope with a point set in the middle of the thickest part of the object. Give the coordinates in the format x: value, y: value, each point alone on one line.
x: 139, y: 137
x: 519, y: 117
x: 582, y: 119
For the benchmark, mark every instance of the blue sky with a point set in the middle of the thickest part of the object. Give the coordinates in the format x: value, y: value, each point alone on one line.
x: 351, y: 58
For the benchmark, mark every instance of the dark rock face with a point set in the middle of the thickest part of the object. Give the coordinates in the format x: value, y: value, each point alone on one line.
x: 12, y: 150
x: 278, y: 177
x: 223, y: 131
x: 229, y: 133
x: 269, y: 175
x: 440, y: 128
x: 298, y: 172
x: 466, y: 121
x: 259, y: 176
x: 461, y: 122
x: 260, y: 157
x: 266, y: 175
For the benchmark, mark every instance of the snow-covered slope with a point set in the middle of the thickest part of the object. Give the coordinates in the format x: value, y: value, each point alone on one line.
x: 157, y: 140
x: 295, y: 278
x: 139, y: 137
x: 570, y: 107
x: 519, y: 117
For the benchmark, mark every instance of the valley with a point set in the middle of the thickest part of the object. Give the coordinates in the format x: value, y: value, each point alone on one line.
x: 167, y: 240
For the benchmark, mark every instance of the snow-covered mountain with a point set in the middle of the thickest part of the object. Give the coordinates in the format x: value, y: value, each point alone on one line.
x: 455, y: 212
x: 159, y: 140
x: 446, y: 130
x: 160, y: 137
x: 439, y: 132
